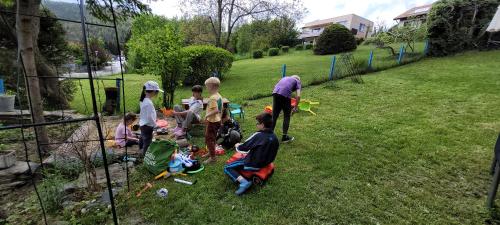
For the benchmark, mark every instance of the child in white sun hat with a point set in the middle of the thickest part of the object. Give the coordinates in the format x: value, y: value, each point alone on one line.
x: 147, y: 117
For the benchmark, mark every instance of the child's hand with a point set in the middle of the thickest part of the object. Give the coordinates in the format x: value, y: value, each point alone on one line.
x: 237, y: 145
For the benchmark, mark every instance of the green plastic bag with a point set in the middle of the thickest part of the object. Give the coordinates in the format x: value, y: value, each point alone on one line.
x: 158, y: 155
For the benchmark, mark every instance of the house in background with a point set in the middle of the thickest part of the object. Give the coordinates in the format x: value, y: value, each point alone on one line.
x: 360, y: 27
x: 415, y: 16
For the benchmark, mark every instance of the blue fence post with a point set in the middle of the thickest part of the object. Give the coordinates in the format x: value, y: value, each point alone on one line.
x: 332, y: 67
x: 401, y: 52
x: 2, y: 89
x: 283, y: 71
x: 426, y: 49
x: 118, y: 87
x: 370, y: 60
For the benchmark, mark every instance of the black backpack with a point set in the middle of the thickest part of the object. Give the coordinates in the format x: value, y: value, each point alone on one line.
x: 229, y: 134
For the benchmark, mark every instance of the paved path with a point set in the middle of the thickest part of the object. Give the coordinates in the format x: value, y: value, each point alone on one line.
x: 113, y: 68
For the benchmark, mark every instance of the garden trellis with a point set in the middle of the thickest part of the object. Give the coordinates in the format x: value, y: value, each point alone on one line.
x: 95, y: 116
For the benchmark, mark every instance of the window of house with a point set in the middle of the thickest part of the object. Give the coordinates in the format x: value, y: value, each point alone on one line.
x: 362, y: 27
x: 316, y: 30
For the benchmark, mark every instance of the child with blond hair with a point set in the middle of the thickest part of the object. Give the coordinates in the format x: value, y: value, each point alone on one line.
x: 213, y: 117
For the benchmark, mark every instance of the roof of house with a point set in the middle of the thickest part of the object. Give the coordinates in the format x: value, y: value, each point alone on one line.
x: 328, y: 21
x: 415, y: 11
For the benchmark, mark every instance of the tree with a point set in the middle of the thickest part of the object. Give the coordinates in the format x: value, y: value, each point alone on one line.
x: 160, y: 48
x: 459, y: 25
x: 263, y: 34
x: 27, y: 30
x: 335, y: 39
x: 196, y: 30
x: 225, y: 15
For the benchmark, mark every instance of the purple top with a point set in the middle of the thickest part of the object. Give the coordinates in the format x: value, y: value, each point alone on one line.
x: 286, y: 86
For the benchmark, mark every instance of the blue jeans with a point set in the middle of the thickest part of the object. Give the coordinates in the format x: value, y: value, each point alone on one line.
x: 232, y: 169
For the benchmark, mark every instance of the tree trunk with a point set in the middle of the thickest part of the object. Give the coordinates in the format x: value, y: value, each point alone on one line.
x: 26, y: 34
x: 218, y: 33
x: 50, y: 87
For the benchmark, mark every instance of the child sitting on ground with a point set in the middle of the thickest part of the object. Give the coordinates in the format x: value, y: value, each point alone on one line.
x: 185, y: 118
x: 123, y: 135
x: 261, y: 150
x: 213, y: 117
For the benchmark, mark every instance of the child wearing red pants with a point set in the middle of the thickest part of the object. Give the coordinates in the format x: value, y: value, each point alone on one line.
x: 213, y: 117
x: 261, y: 148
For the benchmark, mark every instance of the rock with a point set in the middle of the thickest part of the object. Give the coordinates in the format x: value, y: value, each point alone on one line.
x: 117, y: 174
x: 19, y: 168
x: 105, y: 195
x: 69, y: 205
x: 69, y: 188
x: 83, y: 211
x: 61, y: 223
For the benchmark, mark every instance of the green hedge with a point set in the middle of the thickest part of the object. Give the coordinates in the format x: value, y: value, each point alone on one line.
x: 285, y: 49
x: 299, y: 47
x: 203, y: 61
x: 258, y: 54
x: 335, y: 39
x: 308, y: 46
x: 273, y: 52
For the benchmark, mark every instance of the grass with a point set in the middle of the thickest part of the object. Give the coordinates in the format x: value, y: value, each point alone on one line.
x: 412, y: 145
x: 248, y: 78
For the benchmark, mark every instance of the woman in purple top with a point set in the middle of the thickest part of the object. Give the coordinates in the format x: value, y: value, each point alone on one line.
x: 282, y: 100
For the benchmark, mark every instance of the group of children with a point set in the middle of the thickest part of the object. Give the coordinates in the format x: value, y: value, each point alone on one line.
x: 260, y: 149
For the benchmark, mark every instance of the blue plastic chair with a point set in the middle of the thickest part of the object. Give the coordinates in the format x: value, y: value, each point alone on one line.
x: 236, y: 109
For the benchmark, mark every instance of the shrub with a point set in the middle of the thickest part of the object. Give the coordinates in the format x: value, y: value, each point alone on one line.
x: 258, y: 54
x: 52, y: 192
x: 69, y: 168
x: 335, y: 39
x: 308, y: 46
x: 285, y: 49
x: 370, y: 41
x: 359, y: 41
x: 273, y: 52
x: 203, y: 61
x: 458, y: 25
x: 299, y: 47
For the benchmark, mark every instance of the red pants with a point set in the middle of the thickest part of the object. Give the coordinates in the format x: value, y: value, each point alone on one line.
x: 211, y: 136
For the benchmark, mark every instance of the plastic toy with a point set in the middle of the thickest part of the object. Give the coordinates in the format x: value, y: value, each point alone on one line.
x: 161, y: 123
x: 219, y: 150
x: 144, y: 189
x: 162, y: 193
x: 164, y: 174
x: 258, y: 177
x: 268, y: 109
x: 306, y: 105
x: 175, y: 166
x: 294, y: 102
x: 184, y: 181
x: 167, y: 112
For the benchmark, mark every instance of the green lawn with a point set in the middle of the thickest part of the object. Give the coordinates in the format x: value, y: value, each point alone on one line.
x: 411, y: 145
x: 248, y: 78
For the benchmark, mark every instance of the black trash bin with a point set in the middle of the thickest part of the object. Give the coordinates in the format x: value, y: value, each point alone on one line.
x: 110, y: 105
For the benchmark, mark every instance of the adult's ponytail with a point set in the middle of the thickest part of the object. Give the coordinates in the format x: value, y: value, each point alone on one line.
x: 143, y: 94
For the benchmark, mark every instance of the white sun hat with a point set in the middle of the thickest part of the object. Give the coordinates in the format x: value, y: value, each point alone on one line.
x: 152, y: 86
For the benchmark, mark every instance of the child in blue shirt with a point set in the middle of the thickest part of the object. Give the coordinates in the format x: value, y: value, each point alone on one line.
x: 261, y: 150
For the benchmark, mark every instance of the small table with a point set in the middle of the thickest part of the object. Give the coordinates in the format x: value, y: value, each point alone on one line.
x: 185, y: 103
